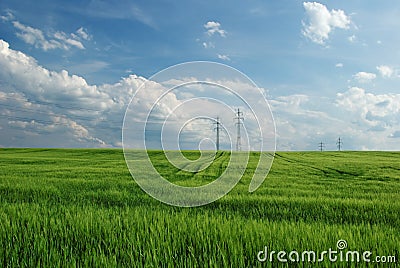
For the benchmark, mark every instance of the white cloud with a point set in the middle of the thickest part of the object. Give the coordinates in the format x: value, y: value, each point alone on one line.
x: 385, y: 71
x: 205, y: 100
x: 339, y: 65
x: 303, y: 121
x: 365, y: 121
x: 37, y: 38
x: 7, y: 17
x: 64, y: 109
x: 352, y: 38
x: 375, y: 118
x: 370, y: 107
x: 67, y: 41
x: 34, y: 37
x: 208, y: 45
x: 213, y: 27
x: 223, y: 57
x: 321, y: 22
x: 83, y: 33
x: 60, y: 109
x: 364, y: 77
x: 48, y: 41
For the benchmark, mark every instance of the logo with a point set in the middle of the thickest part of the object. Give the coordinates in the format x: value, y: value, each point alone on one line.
x: 204, y: 107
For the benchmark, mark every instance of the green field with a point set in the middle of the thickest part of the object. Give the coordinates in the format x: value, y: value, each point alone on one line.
x: 75, y: 207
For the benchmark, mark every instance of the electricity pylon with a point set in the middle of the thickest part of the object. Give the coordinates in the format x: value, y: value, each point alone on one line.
x: 217, y: 123
x: 239, y: 118
x: 321, y: 146
x: 339, y: 144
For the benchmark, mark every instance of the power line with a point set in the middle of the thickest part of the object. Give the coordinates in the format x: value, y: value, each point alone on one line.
x: 239, y: 118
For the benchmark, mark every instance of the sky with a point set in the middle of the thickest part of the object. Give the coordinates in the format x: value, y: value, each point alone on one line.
x: 329, y: 69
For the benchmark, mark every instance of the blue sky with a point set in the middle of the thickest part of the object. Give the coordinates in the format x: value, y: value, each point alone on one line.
x: 329, y: 69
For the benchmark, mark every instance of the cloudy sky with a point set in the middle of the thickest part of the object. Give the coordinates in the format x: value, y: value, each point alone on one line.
x: 68, y: 69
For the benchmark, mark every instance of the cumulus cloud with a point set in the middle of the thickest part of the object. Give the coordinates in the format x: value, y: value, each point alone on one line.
x: 364, y: 77
x: 374, y: 117
x: 321, y: 21
x: 339, y: 65
x: 301, y: 124
x: 32, y: 124
x: 60, y: 107
x: 368, y: 105
x: 364, y: 120
x: 207, y: 100
x: 213, y: 27
x: 385, y: 71
x: 40, y: 107
x: 32, y: 77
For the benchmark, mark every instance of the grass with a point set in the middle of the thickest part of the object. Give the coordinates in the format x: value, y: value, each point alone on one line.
x: 73, y: 207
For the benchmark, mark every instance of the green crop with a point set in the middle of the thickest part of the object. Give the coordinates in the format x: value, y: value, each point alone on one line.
x: 81, y: 207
